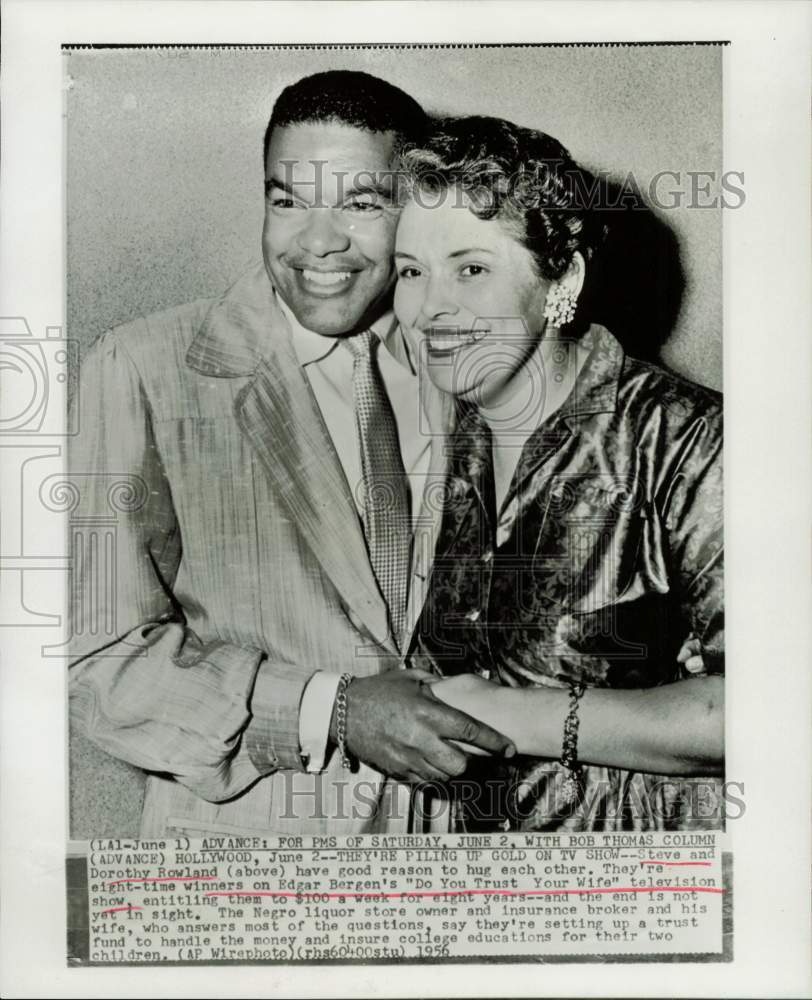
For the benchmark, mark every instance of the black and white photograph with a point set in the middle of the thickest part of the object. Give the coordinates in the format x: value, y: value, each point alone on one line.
x: 409, y: 529
x: 504, y: 512
x: 385, y: 433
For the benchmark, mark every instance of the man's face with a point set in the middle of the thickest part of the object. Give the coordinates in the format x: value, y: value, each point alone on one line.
x: 330, y: 219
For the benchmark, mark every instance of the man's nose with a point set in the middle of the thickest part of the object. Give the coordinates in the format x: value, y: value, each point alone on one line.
x: 322, y: 233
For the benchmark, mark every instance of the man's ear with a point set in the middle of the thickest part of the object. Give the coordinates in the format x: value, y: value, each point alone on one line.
x: 573, y: 279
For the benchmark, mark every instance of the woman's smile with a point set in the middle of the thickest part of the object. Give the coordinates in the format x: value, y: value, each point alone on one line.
x: 443, y: 342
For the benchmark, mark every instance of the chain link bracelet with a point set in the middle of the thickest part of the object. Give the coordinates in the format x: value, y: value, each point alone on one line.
x: 341, y: 721
x: 571, y: 788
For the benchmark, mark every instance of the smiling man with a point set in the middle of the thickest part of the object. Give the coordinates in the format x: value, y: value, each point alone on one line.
x: 329, y: 227
x: 247, y: 652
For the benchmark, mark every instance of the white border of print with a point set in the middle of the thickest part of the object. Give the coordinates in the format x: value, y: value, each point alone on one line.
x: 767, y: 382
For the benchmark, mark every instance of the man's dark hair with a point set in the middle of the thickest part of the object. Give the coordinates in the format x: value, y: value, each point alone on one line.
x: 351, y: 98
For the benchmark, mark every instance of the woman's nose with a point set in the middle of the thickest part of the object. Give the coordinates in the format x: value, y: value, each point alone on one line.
x: 322, y: 235
x: 438, y: 303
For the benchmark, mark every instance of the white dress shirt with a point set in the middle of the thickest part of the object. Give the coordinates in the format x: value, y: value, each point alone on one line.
x: 329, y: 368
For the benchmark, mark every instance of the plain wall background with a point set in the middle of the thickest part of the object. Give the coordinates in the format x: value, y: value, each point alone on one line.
x: 165, y: 179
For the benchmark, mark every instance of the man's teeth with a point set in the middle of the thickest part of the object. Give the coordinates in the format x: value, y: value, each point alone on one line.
x: 326, y: 277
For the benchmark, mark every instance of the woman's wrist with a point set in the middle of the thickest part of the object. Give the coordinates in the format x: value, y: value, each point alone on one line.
x: 536, y: 719
x: 626, y: 729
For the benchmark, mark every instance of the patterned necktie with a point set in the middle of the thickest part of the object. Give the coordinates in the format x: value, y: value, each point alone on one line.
x: 387, y: 520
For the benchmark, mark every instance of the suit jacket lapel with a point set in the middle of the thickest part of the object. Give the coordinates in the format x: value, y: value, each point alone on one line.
x: 277, y: 412
x: 280, y: 418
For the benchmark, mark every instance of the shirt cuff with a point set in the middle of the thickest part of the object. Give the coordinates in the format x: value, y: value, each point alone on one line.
x: 315, y: 713
x: 272, y: 735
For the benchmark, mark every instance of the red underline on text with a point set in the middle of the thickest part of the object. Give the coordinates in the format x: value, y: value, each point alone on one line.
x: 165, y: 878
x: 117, y: 909
x: 467, y: 892
x: 671, y: 864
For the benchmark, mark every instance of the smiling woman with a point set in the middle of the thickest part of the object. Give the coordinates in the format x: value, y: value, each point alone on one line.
x: 467, y: 287
x: 576, y: 597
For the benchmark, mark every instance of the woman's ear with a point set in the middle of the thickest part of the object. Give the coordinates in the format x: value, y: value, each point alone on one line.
x: 573, y: 279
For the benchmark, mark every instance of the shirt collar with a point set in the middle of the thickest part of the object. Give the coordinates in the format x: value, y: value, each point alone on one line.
x: 242, y: 327
x: 312, y: 347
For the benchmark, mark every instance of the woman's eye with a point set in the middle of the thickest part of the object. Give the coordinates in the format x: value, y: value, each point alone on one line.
x: 473, y: 270
x: 409, y: 272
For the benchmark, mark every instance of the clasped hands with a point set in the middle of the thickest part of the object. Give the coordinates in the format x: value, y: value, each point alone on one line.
x: 415, y: 726
x: 397, y: 725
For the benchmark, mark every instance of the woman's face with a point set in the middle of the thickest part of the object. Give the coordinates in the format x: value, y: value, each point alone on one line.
x: 471, y: 293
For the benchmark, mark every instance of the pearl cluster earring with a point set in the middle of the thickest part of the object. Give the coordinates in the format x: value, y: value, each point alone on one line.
x: 559, y: 306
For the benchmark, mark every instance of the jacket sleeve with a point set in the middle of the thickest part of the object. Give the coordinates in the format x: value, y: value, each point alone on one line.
x: 694, y: 525
x: 143, y: 687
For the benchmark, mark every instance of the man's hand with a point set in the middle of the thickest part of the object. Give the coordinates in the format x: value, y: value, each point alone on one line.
x: 491, y: 703
x: 395, y: 724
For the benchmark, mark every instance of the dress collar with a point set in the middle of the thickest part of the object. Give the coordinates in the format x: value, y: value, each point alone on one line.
x: 594, y: 391
x: 596, y: 387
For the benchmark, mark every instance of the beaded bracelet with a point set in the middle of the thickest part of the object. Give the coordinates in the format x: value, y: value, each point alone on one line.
x: 341, y: 720
x: 571, y: 788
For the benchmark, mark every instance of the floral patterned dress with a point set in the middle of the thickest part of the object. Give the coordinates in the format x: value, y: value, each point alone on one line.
x: 605, y: 558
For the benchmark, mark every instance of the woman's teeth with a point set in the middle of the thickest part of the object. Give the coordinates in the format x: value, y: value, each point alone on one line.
x: 445, y: 343
x: 450, y: 341
x: 326, y: 277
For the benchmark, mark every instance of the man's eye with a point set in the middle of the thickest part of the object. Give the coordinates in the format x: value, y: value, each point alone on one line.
x: 363, y: 203
x: 409, y: 272
x: 473, y: 270
x: 281, y: 202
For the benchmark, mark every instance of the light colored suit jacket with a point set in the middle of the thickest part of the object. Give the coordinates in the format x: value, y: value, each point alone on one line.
x: 218, y: 562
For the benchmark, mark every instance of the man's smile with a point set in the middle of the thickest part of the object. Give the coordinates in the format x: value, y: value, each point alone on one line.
x: 325, y: 277
x: 325, y: 282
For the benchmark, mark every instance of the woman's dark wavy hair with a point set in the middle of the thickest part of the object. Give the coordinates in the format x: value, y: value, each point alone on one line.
x: 525, y: 179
